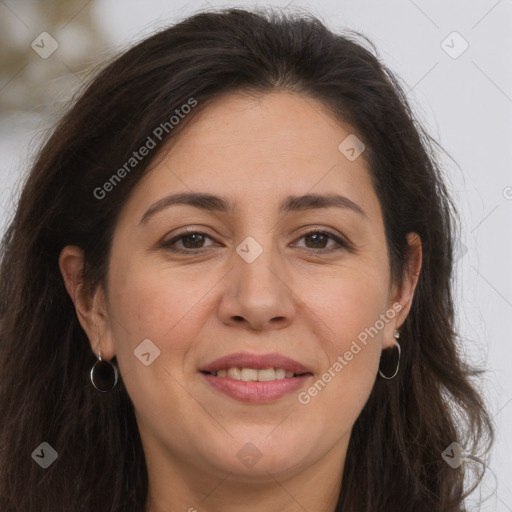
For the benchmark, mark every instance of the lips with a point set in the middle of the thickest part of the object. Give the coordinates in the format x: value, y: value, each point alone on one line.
x: 258, y: 362
x: 251, y: 378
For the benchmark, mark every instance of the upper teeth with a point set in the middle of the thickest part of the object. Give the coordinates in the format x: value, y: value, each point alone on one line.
x: 252, y: 374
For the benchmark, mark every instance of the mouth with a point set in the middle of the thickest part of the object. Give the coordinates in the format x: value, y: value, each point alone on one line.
x: 255, y: 374
x: 255, y: 378
x: 251, y: 367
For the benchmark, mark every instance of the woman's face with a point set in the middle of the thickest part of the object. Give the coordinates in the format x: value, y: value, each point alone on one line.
x: 253, y: 282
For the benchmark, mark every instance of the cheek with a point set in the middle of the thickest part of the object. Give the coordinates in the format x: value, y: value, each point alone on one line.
x: 161, y: 305
x: 349, y: 304
x: 350, y: 309
x: 156, y: 302
x: 168, y: 306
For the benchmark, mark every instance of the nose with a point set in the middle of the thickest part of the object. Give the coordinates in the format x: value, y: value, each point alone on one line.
x: 259, y: 294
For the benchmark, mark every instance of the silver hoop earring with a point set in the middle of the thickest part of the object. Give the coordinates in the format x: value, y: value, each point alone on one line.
x: 396, y: 334
x: 104, y: 375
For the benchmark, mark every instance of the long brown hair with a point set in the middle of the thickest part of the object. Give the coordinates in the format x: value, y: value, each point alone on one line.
x: 394, y: 460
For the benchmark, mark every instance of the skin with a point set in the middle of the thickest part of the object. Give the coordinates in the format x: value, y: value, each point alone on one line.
x: 293, y: 299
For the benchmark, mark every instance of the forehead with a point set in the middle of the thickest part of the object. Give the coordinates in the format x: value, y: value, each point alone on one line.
x: 259, y: 127
x: 258, y: 149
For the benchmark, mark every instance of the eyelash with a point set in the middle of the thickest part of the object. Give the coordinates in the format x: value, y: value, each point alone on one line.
x: 342, y: 245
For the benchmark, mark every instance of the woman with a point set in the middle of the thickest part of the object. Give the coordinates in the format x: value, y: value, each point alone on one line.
x: 227, y: 286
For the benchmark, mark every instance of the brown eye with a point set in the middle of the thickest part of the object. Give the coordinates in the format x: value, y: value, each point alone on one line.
x: 318, y: 240
x: 190, y: 241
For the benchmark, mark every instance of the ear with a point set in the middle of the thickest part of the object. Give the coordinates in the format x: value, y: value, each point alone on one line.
x: 403, y: 295
x: 90, y: 306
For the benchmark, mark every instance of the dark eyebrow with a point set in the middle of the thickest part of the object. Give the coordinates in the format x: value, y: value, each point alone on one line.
x: 213, y: 203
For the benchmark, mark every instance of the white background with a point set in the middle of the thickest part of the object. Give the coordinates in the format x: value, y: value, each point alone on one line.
x: 465, y: 103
